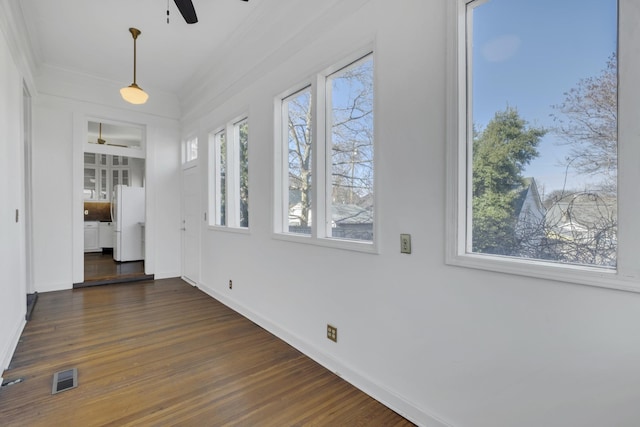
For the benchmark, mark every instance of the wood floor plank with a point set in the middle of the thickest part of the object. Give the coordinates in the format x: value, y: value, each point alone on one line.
x: 164, y: 353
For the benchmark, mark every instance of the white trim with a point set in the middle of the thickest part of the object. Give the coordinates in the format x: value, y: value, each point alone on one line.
x: 224, y: 228
x: 11, y: 346
x: 627, y: 276
x: 345, y: 244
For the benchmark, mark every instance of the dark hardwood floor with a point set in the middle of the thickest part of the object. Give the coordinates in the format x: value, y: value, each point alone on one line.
x: 160, y: 353
x: 100, y: 269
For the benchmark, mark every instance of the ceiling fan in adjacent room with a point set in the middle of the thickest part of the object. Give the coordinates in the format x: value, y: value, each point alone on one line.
x: 187, y: 10
x: 101, y: 141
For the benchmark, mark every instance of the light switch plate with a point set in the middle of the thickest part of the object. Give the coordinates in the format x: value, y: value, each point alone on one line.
x: 405, y: 243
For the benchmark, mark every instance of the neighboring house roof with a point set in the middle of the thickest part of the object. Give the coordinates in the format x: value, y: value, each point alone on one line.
x: 351, y: 214
x: 528, y: 200
x: 340, y: 214
x: 584, y: 210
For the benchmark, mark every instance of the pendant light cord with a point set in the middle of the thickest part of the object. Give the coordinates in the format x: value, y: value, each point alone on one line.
x: 134, y: 59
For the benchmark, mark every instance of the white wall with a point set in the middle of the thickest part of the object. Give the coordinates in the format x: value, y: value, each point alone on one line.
x: 435, y: 342
x: 12, y: 251
x: 59, y: 126
x: 443, y: 345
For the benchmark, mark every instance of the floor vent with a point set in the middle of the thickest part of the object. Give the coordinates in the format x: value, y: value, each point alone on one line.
x: 64, y: 380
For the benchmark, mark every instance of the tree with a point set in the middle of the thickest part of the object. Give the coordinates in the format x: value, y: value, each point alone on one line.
x: 299, y: 124
x: 582, y: 224
x: 350, y: 132
x: 587, y: 122
x: 500, y: 153
x: 244, y: 173
x: 352, y: 135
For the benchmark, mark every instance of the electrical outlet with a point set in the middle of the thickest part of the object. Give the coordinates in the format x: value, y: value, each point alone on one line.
x: 230, y: 284
x: 405, y: 243
x: 332, y: 333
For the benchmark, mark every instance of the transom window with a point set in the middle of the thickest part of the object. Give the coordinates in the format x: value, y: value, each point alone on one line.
x: 191, y: 150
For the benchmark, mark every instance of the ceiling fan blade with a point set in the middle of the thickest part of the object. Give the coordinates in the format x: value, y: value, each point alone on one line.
x: 187, y: 10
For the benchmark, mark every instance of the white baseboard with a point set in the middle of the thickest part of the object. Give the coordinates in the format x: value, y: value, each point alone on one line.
x: 10, y: 348
x: 189, y: 281
x: 402, y: 406
x: 166, y: 275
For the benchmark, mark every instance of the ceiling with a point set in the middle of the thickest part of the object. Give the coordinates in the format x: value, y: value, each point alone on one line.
x: 92, y: 37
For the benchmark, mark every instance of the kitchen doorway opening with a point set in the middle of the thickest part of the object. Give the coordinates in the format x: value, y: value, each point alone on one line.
x: 114, y: 196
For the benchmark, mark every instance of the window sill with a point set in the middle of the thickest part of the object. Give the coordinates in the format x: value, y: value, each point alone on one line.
x: 569, y: 273
x: 347, y: 245
x: 226, y: 229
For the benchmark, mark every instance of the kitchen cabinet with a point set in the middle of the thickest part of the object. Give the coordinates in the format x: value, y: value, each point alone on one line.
x: 105, y: 235
x: 102, y: 172
x: 90, y: 183
x: 91, y: 236
x: 119, y: 176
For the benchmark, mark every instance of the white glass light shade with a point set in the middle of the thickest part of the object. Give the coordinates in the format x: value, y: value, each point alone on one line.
x: 134, y: 94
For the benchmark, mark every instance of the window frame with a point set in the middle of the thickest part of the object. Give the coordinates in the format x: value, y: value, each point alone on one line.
x: 626, y: 276
x: 321, y: 161
x: 232, y: 176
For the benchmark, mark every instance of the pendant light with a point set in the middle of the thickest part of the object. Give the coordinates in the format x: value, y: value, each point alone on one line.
x: 133, y: 93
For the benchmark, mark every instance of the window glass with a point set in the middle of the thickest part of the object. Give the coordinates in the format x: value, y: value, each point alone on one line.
x: 90, y: 183
x: 104, y: 194
x: 297, y: 113
x: 191, y: 149
x: 541, y: 130
x: 350, y: 134
x: 242, y: 131
x: 221, y: 178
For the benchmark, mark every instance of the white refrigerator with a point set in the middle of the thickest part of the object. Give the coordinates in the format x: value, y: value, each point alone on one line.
x: 128, y: 216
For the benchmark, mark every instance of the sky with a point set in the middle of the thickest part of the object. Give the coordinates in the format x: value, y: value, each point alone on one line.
x: 526, y: 54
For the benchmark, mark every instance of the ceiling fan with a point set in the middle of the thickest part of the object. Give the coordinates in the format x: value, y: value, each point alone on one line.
x: 187, y: 10
x: 101, y: 141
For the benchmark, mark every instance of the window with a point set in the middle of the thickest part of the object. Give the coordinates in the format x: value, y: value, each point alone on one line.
x: 349, y: 133
x: 535, y: 143
x: 326, y: 187
x: 229, y: 175
x: 221, y: 178
x: 241, y: 130
x: 191, y: 150
x: 298, y: 197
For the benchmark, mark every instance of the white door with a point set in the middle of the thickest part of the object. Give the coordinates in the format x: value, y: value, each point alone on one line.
x: 191, y: 224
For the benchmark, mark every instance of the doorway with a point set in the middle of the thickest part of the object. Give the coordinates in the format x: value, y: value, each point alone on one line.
x: 114, y: 204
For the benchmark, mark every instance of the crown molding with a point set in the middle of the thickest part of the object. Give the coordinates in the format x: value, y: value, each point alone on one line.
x: 16, y: 34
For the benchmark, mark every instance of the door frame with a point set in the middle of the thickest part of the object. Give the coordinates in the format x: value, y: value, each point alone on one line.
x: 80, y: 131
x: 190, y: 167
x: 27, y: 215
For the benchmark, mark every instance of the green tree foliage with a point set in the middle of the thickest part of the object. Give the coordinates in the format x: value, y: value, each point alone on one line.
x: 500, y: 153
x: 244, y: 174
